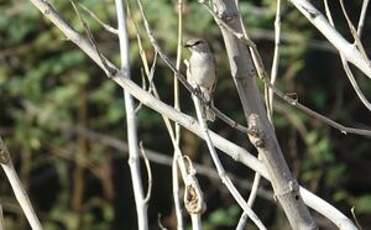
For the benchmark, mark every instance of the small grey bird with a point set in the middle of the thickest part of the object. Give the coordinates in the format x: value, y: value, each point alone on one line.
x: 201, y: 69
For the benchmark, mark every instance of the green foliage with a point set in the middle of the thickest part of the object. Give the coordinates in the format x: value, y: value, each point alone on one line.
x: 223, y: 217
x: 363, y: 204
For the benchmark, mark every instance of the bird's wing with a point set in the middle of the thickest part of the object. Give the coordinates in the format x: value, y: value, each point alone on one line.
x: 212, y: 90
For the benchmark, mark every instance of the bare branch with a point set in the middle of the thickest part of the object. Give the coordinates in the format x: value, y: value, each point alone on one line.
x: 353, y: 31
x: 107, y: 67
x: 96, y: 18
x: 350, y: 52
x: 362, y: 17
x: 141, y: 202
x: 149, y: 172
x: 275, y: 63
x: 352, y: 210
x: 19, y: 192
x: 346, y: 67
x: 178, y: 211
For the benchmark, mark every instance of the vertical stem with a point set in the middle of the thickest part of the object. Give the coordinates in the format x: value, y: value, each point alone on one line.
x: 175, y: 177
x: 178, y: 61
x: 274, y: 70
x: 178, y: 210
x: 196, y: 222
x: 134, y: 162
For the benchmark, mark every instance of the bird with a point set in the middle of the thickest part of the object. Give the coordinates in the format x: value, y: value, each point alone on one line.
x: 201, y: 71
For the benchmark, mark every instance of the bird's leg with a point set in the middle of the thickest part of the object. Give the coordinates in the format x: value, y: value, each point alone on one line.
x: 197, y: 91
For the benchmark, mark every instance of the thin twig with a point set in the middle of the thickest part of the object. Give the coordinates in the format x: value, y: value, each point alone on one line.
x: 177, y: 65
x: 362, y: 17
x: 219, y: 167
x: 176, y: 191
x: 149, y: 172
x: 346, y: 67
x: 254, y: 188
x: 16, y: 184
x: 144, y: 87
x: 352, y: 210
x: 108, y: 69
x: 353, y: 31
x: 350, y: 52
x: 276, y: 55
x: 178, y: 211
x: 107, y: 27
x: 343, y: 129
x: 141, y: 202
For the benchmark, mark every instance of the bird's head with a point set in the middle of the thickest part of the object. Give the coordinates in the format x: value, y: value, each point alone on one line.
x: 197, y: 45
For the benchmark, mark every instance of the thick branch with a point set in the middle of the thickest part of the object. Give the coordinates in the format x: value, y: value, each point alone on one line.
x: 284, y: 184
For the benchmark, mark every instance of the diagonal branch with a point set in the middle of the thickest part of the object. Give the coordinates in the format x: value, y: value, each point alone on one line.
x: 346, y: 67
x: 19, y: 192
x: 350, y: 52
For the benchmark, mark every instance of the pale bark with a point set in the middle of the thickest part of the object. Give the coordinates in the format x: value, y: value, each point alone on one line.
x: 350, y: 52
x: 16, y: 184
x: 132, y: 136
x: 285, y: 186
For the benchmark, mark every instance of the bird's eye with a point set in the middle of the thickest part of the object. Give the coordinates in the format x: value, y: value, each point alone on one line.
x: 197, y: 43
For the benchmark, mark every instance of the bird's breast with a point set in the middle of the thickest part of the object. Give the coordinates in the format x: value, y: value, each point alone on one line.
x: 202, y: 70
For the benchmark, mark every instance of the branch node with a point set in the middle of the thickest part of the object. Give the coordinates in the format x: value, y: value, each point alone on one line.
x: 4, y: 155
x: 255, y: 130
x: 292, y: 187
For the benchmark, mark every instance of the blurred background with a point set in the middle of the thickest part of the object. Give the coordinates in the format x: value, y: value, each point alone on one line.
x: 64, y: 122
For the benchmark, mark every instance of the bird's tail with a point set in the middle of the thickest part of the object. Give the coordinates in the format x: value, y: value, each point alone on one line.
x: 208, y: 113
